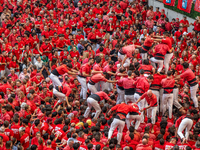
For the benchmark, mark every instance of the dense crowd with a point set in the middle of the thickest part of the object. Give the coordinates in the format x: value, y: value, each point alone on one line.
x: 93, y: 75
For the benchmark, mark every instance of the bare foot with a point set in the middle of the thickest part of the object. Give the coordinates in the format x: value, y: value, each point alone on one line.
x: 184, y: 141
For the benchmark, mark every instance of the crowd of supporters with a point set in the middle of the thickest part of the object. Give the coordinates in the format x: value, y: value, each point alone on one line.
x: 97, y: 75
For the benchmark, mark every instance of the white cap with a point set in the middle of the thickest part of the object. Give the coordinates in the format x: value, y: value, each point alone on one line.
x: 23, y: 105
x: 21, y: 129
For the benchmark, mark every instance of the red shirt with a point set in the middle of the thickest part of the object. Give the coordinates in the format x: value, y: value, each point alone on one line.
x: 12, y: 39
x: 177, y: 35
x: 24, y: 140
x: 169, y: 145
x: 128, y: 50
x: 168, y: 85
x: 5, y: 117
x: 167, y: 41
x: 147, y: 68
x: 142, y: 85
x: 127, y: 83
x: 102, y: 95
x: 85, y: 68
x: 91, y: 35
x: 184, y: 22
x: 5, y: 137
x: 152, y: 101
x: 65, y: 89
x: 97, y: 67
x: 148, y: 41
x: 9, y: 133
x: 159, y: 147
x: 62, y: 69
x: 74, y: 54
x: 15, y: 129
x: 189, y: 76
x: 123, y: 108
x: 2, y: 60
x: 97, y: 77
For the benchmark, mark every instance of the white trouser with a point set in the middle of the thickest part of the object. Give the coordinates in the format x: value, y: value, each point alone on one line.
x: 92, y: 88
x: 59, y: 95
x: 167, y: 61
x: 116, y: 123
x: 120, y: 97
x: 193, y: 92
x: 127, y: 61
x: 106, y: 86
x: 129, y: 98
x: 3, y: 73
x: 92, y: 103
x: 144, y: 56
x: 186, y: 124
x: 161, y: 96
x: 83, y: 83
x: 167, y: 100
x: 158, y: 96
x: 55, y: 80
x: 156, y: 61
x: 98, y: 85
x: 151, y: 112
x: 133, y: 117
x: 141, y: 105
x: 175, y: 98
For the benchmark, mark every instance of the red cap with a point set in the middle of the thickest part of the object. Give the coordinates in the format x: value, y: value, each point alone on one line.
x: 162, y: 10
x: 38, y: 74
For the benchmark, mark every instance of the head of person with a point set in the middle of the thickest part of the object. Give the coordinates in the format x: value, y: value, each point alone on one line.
x: 149, y: 93
x: 21, y: 131
x: 150, y: 78
x: 70, y: 143
x: 173, y: 140
x: 91, y: 61
x: 169, y: 73
x: 185, y: 65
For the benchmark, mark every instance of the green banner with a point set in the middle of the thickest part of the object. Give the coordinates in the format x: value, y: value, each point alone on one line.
x: 193, y: 14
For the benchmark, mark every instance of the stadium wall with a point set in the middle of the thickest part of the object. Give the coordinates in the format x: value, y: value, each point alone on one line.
x: 170, y: 13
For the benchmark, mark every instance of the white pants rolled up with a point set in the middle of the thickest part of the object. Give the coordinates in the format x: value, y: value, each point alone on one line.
x: 55, y: 80
x: 59, y: 95
x: 186, y: 124
x: 129, y: 98
x: 133, y: 117
x: 193, y: 92
x: 92, y: 88
x: 106, y: 86
x: 175, y: 98
x: 167, y: 61
x: 156, y: 61
x: 157, y: 93
x: 83, y: 83
x: 120, y: 97
x: 144, y: 56
x: 151, y: 112
x: 92, y: 103
x: 167, y: 100
x: 127, y: 61
x: 116, y: 123
x: 141, y: 105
